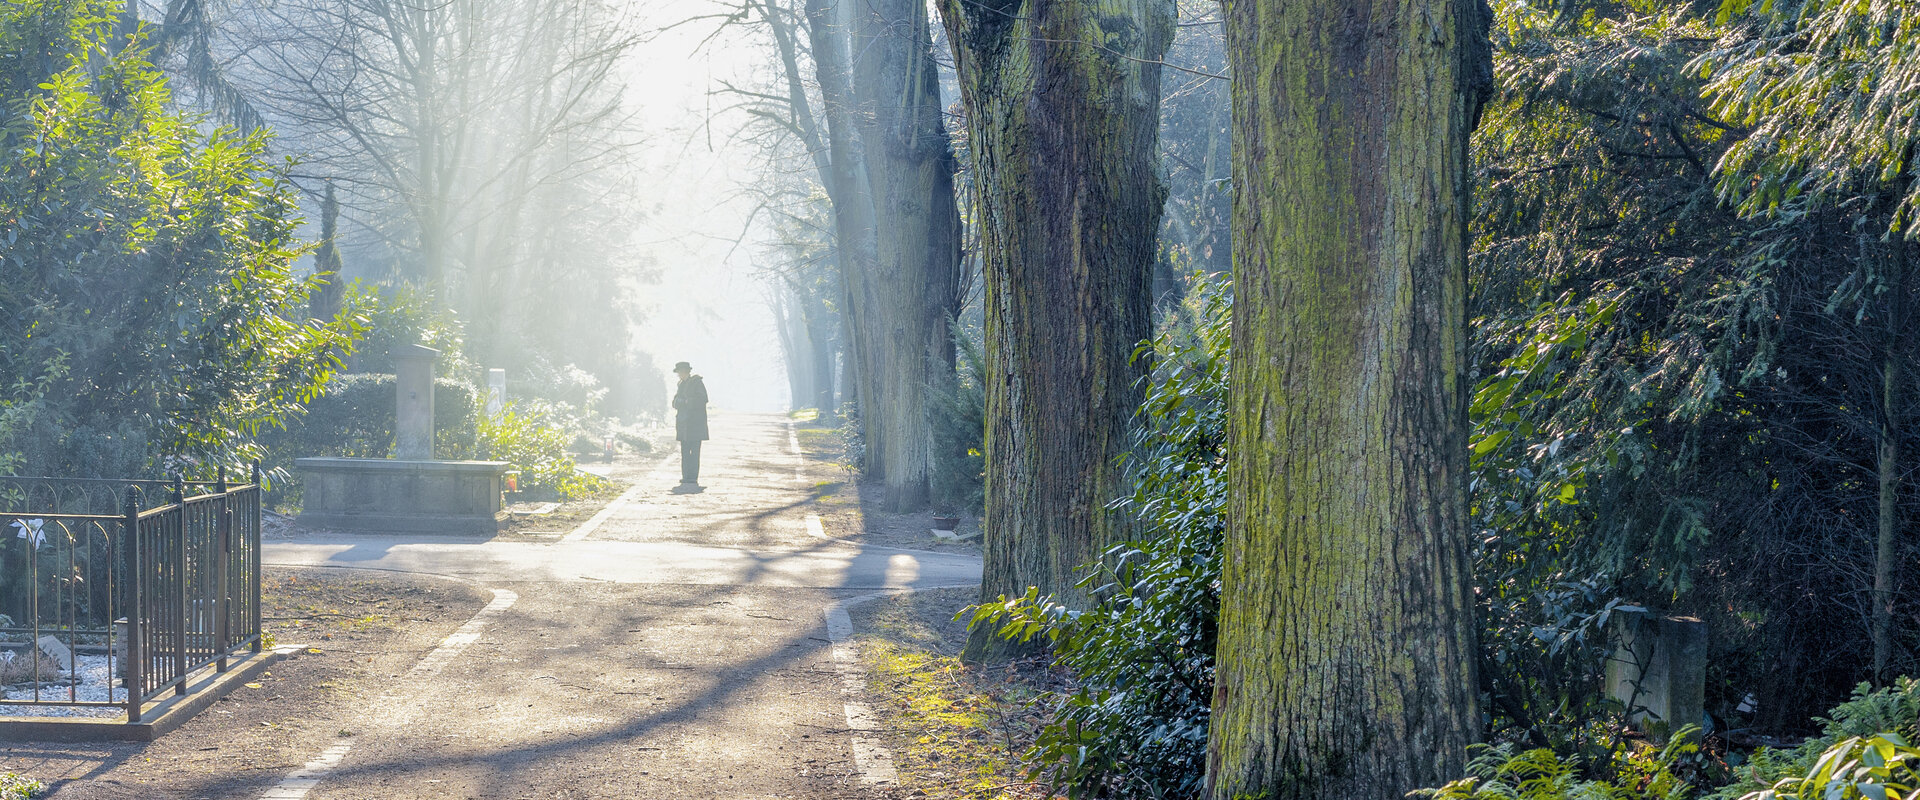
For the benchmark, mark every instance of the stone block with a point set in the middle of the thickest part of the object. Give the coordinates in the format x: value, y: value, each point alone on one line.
x: 1658, y: 671
x: 413, y: 399
x: 56, y: 651
x: 396, y: 496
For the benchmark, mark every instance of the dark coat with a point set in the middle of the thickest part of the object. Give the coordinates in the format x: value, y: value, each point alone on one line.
x: 690, y: 410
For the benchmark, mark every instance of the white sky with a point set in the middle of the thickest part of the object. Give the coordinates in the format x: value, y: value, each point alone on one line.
x: 708, y: 308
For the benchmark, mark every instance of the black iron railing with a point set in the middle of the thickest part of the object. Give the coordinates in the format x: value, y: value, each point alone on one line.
x: 154, y: 591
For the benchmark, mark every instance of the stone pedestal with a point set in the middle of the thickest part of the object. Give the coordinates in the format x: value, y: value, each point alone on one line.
x: 399, y: 496
x: 413, y: 402
x: 1658, y: 671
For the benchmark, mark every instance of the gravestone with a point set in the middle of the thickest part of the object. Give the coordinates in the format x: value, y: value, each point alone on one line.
x: 411, y: 492
x: 56, y: 651
x: 496, y: 392
x: 413, y: 402
x: 1658, y: 671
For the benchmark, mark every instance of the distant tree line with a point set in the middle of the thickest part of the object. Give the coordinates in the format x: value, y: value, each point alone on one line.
x: 478, y: 151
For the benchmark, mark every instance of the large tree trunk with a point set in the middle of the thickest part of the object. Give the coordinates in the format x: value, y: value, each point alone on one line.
x: 1346, y: 663
x: 1062, y: 100
x: 911, y: 287
x: 844, y: 173
x: 888, y: 169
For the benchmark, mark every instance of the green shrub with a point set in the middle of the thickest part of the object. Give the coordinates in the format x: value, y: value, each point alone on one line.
x: 1892, y: 714
x: 1143, y: 655
x: 529, y: 437
x: 853, y: 438
x: 15, y: 786
x: 151, y: 319
x: 1497, y: 772
x: 1876, y: 767
x: 402, y: 315
x: 958, y: 411
x: 353, y: 417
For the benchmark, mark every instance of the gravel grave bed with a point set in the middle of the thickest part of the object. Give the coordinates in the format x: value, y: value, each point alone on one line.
x: 95, y: 684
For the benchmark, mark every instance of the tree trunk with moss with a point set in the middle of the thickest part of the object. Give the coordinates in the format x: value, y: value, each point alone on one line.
x: 1346, y: 661
x: 1062, y: 100
x: 888, y: 169
x: 911, y: 288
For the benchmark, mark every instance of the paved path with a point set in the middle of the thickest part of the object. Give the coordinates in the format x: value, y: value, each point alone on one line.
x: 675, y: 649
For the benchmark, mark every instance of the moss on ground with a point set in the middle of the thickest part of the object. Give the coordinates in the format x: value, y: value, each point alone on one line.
x: 957, y: 730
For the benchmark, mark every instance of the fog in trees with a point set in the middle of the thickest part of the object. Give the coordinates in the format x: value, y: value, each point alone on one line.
x: 1331, y: 385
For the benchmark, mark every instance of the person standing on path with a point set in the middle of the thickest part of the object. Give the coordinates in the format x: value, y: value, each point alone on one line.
x: 689, y: 422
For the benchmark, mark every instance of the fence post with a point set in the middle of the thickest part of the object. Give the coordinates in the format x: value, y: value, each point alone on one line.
x: 253, y: 561
x: 179, y: 559
x: 223, y: 546
x: 135, y: 668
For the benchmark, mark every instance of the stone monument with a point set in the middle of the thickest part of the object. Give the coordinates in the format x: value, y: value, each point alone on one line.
x: 413, y: 402
x: 1658, y: 671
x: 411, y: 492
x: 496, y: 392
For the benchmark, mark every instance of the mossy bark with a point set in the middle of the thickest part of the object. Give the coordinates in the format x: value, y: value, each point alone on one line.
x: 888, y: 168
x: 913, y: 284
x: 1346, y: 662
x: 1062, y: 99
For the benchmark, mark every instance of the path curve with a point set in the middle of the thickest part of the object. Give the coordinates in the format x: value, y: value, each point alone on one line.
x: 676, y: 648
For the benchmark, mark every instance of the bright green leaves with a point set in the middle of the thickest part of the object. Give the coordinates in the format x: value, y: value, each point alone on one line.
x: 1878, y: 767
x: 1829, y: 94
x: 1136, y: 726
x: 156, y: 257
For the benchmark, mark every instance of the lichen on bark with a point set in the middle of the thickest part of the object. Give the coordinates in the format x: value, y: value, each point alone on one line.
x: 1346, y: 661
x: 1063, y: 102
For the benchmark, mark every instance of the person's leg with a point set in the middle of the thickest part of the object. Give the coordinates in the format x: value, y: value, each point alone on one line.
x: 689, y: 460
x: 693, y: 472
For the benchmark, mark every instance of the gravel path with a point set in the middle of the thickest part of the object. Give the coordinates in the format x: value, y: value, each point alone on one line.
x: 675, y: 651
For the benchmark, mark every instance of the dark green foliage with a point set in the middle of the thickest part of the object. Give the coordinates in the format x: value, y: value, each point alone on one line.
x: 1678, y: 400
x: 1498, y: 772
x: 957, y: 407
x: 1892, y: 710
x: 1143, y: 655
x: 353, y: 418
x: 853, y: 438
x: 149, y: 317
x: 403, y: 316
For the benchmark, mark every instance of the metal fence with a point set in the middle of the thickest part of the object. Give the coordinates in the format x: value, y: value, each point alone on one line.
x: 143, y: 583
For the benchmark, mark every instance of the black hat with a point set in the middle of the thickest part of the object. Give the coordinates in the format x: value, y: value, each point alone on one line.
x: 683, y: 367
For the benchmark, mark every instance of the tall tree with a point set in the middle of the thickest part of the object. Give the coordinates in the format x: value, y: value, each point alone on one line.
x: 1346, y: 664
x: 1062, y: 100
x: 880, y: 146
x: 911, y: 288
x: 152, y: 318
x: 477, y: 140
